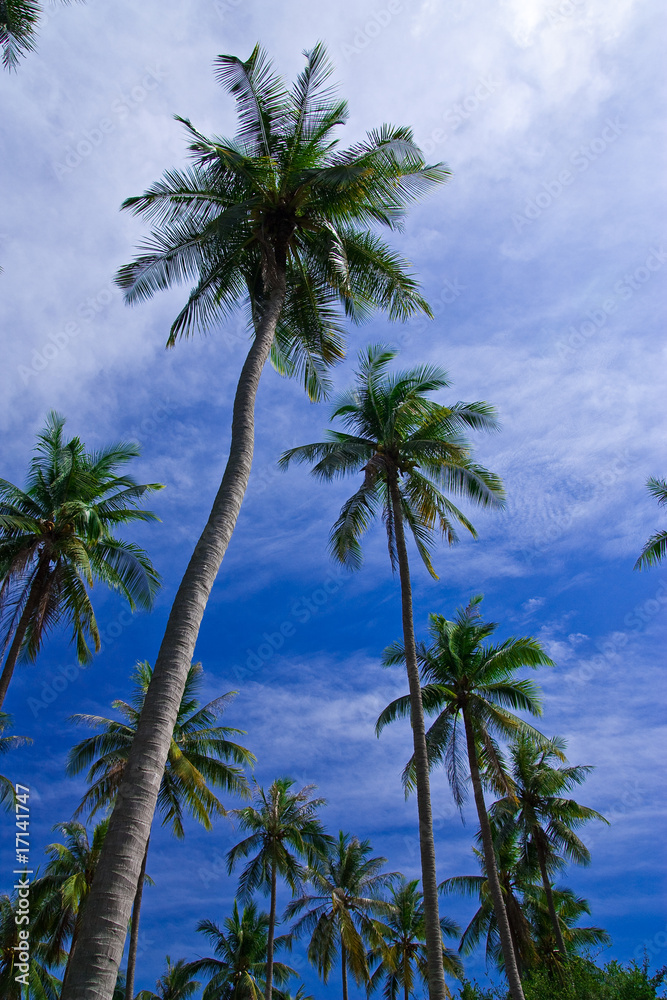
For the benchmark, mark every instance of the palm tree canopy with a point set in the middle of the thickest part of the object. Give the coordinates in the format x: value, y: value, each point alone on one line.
x: 18, y: 29
x: 283, y: 828
x: 398, y: 432
x: 59, y: 534
x: 238, y: 969
x: 349, y: 889
x: 537, y: 809
x: 401, y: 958
x: 199, y: 755
x: 462, y: 672
x: 282, y: 195
x: 175, y: 984
x: 7, y: 792
x: 655, y: 549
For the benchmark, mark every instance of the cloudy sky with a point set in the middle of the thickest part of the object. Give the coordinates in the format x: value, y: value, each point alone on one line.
x: 544, y: 262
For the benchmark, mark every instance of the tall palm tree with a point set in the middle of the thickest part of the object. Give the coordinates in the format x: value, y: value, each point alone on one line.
x: 411, y: 452
x: 198, y: 757
x: 284, y: 832
x: 349, y: 886
x: 18, y: 27
x: 239, y: 969
x: 401, y: 958
x: 281, y: 220
x: 60, y: 895
x: 656, y: 548
x: 538, y: 812
x: 57, y: 537
x: 466, y: 679
x: 175, y: 984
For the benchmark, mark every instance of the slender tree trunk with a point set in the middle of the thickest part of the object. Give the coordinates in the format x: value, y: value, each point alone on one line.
x: 500, y: 911
x: 436, y: 975
x: 104, y: 927
x: 134, y: 931
x: 343, y: 969
x: 550, y: 899
x: 33, y: 600
x: 272, y: 927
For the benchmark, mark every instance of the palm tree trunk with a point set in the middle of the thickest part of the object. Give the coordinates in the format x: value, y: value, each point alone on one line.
x: 550, y: 899
x: 104, y: 927
x: 436, y: 975
x: 134, y: 931
x: 509, y: 957
x: 343, y: 969
x: 34, y: 597
x: 272, y: 927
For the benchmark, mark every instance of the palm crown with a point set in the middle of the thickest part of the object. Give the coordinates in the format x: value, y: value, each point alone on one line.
x: 401, y: 437
x: 656, y: 547
x: 280, y: 198
x: 57, y: 537
x: 199, y: 755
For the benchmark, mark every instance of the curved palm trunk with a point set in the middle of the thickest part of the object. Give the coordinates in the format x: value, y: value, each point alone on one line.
x: 272, y: 927
x: 134, y: 931
x: 104, y: 927
x: 343, y: 969
x: 35, y: 596
x: 541, y: 857
x: 436, y: 975
x: 511, y: 969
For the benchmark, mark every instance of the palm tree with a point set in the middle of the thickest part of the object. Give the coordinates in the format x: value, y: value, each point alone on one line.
x: 537, y: 811
x: 284, y: 830
x: 239, y: 969
x: 469, y: 680
x: 281, y: 220
x: 7, y: 788
x: 60, y: 895
x: 340, y: 915
x: 569, y: 908
x: 57, y: 537
x: 41, y: 984
x: 18, y: 27
x: 411, y: 453
x: 401, y: 958
x: 656, y: 548
x: 175, y: 984
x: 199, y: 756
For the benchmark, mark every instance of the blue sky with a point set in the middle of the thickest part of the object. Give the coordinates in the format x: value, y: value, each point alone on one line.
x: 544, y: 261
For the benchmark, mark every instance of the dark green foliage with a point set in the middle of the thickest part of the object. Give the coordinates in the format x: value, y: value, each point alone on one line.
x: 587, y: 982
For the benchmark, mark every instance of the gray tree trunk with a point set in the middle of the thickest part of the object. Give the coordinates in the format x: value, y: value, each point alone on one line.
x: 134, y: 931
x: 104, y: 927
x: 511, y: 968
x: 436, y: 975
x: 541, y: 856
x: 343, y: 969
x: 272, y: 928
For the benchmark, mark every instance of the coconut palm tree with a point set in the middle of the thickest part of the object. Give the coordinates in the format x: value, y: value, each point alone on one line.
x: 284, y: 831
x: 57, y: 537
x: 411, y: 452
x: 175, y: 984
x: 656, y: 548
x: 537, y: 811
x: 239, y: 969
x: 401, y: 958
x: 349, y: 886
x: 60, y: 895
x: 40, y: 983
x: 199, y: 757
x: 18, y: 27
x: 470, y: 681
x: 281, y: 220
